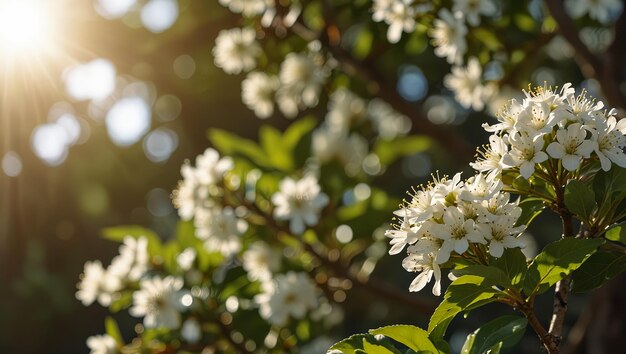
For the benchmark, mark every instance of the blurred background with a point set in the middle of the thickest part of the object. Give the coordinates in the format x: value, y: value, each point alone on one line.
x: 102, y: 101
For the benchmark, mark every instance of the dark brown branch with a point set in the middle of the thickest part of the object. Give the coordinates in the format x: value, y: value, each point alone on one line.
x: 592, y: 66
x: 546, y: 338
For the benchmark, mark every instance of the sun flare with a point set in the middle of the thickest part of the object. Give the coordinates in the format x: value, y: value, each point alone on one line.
x: 26, y: 27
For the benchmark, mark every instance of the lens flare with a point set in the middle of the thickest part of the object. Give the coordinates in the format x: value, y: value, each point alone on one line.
x: 25, y: 26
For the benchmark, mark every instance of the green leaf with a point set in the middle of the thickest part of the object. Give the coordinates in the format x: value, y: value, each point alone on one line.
x: 580, y: 199
x: 118, y: 234
x: 272, y: 143
x: 370, y: 348
x: 492, y: 275
x: 357, y: 343
x: 513, y: 264
x: 488, y: 38
x: 123, y: 302
x: 230, y: 144
x: 507, y: 330
x: 530, y: 209
x: 460, y: 295
x: 411, y: 336
x: 390, y: 150
x: 617, y: 233
x: 597, y: 270
x: 297, y: 130
x: 556, y: 261
x: 113, y: 330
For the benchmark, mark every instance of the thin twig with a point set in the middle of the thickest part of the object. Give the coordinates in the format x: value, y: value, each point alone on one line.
x: 546, y: 338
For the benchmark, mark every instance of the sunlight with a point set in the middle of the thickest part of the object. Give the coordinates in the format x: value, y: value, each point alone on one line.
x: 25, y: 26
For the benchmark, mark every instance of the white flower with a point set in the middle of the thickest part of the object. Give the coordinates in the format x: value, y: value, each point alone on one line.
x: 490, y: 158
x: 420, y: 208
x: 158, y: 301
x: 132, y: 262
x: 402, y: 235
x: 186, y: 258
x: 472, y: 9
x: 456, y: 233
x: 507, y: 118
x: 190, y: 194
x: 425, y: 264
x: 257, y: 93
x: 102, y: 344
x: 399, y: 15
x: 248, y: 8
x: 288, y: 295
x: 447, y: 191
x: 300, y: 202
x: 220, y: 229
x: 525, y: 153
x: 387, y: 121
x: 236, y: 50
x: 466, y: 83
x: 191, y: 330
x: 350, y: 149
x: 97, y: 284
x: 571, y: 146
x: 610, y: 143
x: 502, y: 233
x: 260, y: 261
x: 536, y: 117
x: 301, y: 78
x: 492, y: 209
x: 344, y: 109
x: 478, y: 188
x: 449, y: 36
x: 210, y: 168
x: 602, y: 10
x: 194, y: 191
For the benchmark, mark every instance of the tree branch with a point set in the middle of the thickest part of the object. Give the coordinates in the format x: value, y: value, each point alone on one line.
x: 546, y: 338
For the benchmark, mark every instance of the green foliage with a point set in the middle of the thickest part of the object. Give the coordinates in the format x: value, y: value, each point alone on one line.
x: 364, y: 343
x: 580, y: 199
x: 617, y: 233
x: 556, y: 261
x: 461, y: 295
x: 389, y: 151
x: 113, y: 330
x: 597, y: 270
x: 276, y: 150
x: 513, y: 264
x: 118, y: 234
x: 231, y: 144
x: 531, y: 208
x: 413, y: 337
x: 503, y: 332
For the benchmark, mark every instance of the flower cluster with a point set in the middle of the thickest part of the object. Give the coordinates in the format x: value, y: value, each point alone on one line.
x: 300, y: 202
x: 219, y: 226
x: 339, y: 136
x: 104, y: 285
x: 450, y: 218
x: 550, y: 129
